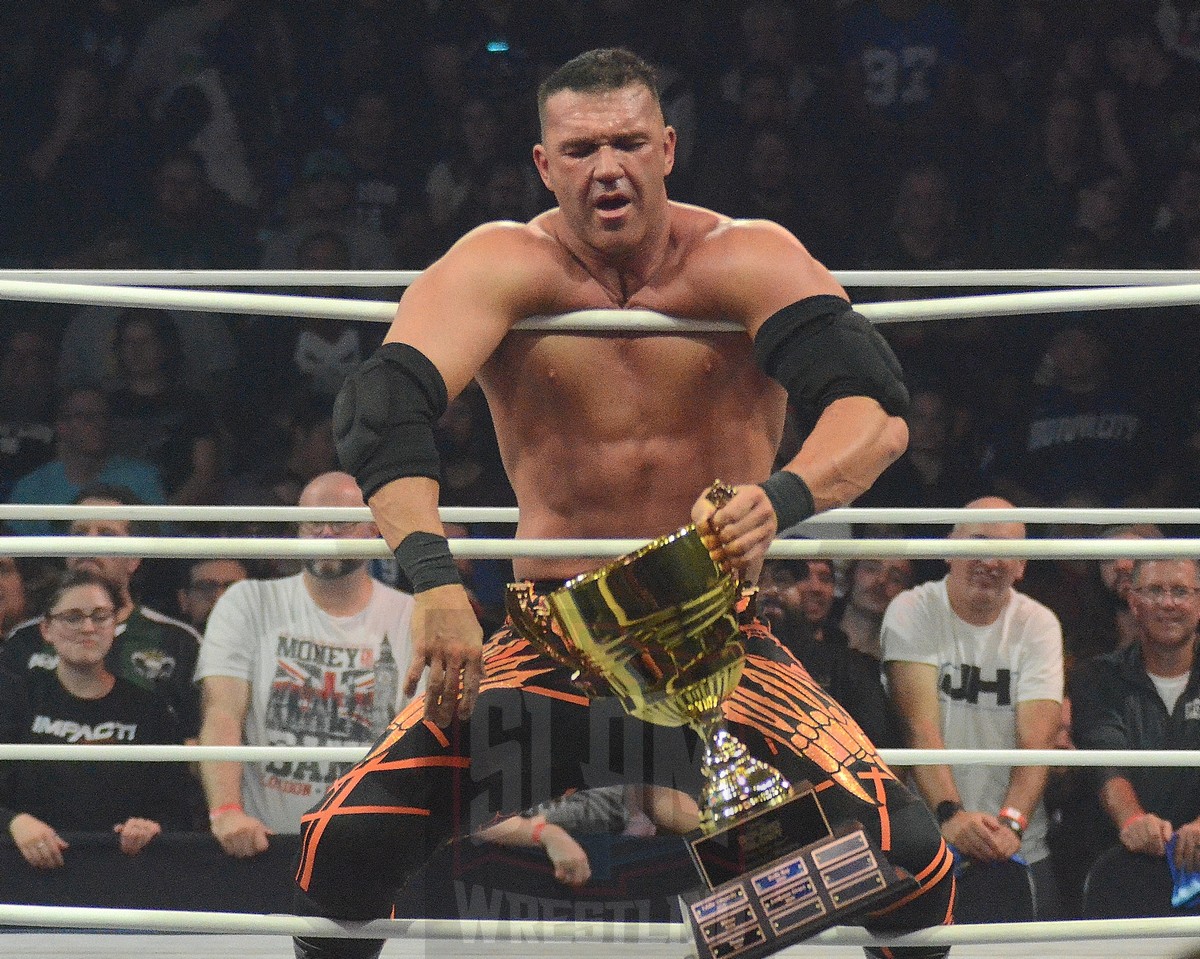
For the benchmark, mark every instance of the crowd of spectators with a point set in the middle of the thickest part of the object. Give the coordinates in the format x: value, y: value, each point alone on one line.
x: 365, y: 134
x: 369, y: 134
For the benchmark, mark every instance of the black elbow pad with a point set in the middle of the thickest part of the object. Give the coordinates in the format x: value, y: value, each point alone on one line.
x: 820, y: 350
x: 384, y: 415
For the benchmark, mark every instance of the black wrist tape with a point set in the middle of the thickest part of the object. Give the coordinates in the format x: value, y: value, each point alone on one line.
x: 791, y: 498
x: 425, y: 561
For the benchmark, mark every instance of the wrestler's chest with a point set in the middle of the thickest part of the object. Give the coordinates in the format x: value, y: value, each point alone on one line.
x: 628, y: 368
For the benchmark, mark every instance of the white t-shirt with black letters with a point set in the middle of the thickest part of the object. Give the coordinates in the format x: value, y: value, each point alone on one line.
x: 983, y: 672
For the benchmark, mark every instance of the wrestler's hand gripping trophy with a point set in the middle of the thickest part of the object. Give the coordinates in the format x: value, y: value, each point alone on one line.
x: 658, y: 629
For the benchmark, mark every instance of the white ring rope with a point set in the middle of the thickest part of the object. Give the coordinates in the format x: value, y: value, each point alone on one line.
x: 145, y: 547
x: 571, y: 931
x: 48, y: 286
x: 909, y: 516
x: 246, y: 514
x: 595, y: 321
x: 260, y: 304
x: 67, y: 752
x: 400, y: 278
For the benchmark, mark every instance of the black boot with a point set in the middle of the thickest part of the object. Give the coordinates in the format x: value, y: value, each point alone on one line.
x: 308, y: 947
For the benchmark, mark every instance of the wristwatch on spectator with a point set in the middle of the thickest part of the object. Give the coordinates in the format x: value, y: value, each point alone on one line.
x: 946, y: 810
x: 1014, y: 819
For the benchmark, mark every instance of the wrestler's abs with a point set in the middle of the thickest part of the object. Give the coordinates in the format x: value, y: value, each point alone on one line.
x: 617, y: 436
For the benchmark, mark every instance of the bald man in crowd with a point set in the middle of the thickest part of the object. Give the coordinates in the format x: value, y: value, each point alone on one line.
x: 974, y: 664
x: 313, y: 659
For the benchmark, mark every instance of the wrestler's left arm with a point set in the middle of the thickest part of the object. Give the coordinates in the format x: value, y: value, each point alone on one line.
x: 807, y: 338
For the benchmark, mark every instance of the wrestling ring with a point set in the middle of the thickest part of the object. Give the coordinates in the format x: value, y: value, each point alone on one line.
x: 61, y: 931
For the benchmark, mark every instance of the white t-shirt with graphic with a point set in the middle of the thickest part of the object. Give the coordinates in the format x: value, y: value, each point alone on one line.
x: 983, y: 672
x: 315, y: 680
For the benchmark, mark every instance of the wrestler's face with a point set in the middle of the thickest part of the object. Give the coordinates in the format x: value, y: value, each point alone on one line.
x: 605, y: 157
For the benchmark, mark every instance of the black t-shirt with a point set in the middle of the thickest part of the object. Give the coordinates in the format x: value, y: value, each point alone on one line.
x: 151, y: 650
x: 88, y: 796
x: 161, y: 429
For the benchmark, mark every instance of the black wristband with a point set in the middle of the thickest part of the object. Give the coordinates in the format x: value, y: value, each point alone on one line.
x: 947, y: 810
x: 790, y: 497
x: 425, y: 560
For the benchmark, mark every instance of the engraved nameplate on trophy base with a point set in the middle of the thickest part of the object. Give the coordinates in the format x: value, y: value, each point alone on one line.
x: 817, y: 878
x: 753, y: 840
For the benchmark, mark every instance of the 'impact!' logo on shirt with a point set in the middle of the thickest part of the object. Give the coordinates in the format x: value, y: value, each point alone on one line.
x: 73, y: 732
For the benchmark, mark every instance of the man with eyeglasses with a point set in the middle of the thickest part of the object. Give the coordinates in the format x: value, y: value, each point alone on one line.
x: 1147, y: 696
x: 314, y: 659
x: 151, y: 649
x: 207, y: 581
x: 974, y: 664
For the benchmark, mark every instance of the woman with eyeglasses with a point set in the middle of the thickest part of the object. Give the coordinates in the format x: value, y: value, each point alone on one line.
x: 81, y: 701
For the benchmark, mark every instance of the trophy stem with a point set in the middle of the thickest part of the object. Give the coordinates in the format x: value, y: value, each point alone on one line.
x: 735, y: 783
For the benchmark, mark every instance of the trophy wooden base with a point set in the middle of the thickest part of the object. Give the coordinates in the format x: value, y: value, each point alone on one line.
x: 761, y: 899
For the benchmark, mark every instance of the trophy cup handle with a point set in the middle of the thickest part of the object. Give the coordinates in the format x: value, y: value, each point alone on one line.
x: 720, y: 493
x: 531, y: 617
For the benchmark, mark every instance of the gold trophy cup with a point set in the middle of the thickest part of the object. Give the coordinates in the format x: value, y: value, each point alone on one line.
x: 657, y: 628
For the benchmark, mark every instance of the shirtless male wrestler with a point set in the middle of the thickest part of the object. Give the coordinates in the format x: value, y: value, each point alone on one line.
x: 605, y: 435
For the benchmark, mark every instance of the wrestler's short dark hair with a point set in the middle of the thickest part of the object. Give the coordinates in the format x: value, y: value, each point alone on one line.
x: 596, y: 71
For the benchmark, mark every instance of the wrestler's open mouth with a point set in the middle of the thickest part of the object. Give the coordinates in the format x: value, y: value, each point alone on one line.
x: 612, y: 204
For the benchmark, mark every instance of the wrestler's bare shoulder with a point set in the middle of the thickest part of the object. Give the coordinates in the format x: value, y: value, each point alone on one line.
x: 750, y: 267
x: 507, y: 243
x: 739, y: 243
x: 753, y: 268
x: 513, y: 256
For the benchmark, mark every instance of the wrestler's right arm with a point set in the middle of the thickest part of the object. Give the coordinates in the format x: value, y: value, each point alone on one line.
x: 449, y: 322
